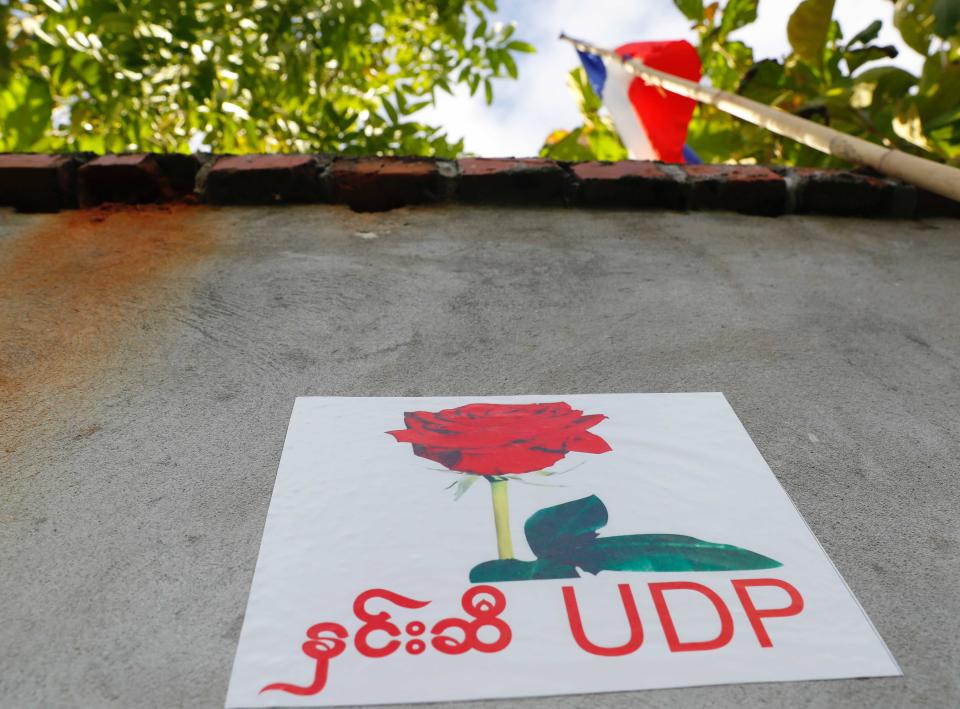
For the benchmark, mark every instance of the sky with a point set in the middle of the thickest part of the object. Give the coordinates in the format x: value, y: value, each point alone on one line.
x: 525, y: 111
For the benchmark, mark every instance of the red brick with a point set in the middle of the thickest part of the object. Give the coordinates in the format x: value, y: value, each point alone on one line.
x: 243, y: 163
x: 37, y: 183
x: 629, y: 183
x: 377, y: 184
x: 934, y: 205
x: 512, y: 181
x: 130, y: 179
x: 180, y: 170
x: 748, y: 189
x: 850, y: 194
x: 264, y: 179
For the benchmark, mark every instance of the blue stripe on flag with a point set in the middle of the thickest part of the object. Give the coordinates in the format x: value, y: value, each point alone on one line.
x: 690, y: 157
x: 596, y: 72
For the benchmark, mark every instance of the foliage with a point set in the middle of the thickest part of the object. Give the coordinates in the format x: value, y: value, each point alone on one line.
x: 825, y: 78
x: 301, y: 75
x: 596, y: 139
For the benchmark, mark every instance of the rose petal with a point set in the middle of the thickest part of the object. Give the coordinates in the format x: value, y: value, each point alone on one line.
x: 507, y: 460
x: 587, y: 442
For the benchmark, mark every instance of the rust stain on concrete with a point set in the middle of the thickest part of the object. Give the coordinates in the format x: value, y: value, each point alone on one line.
x: 79, y: 289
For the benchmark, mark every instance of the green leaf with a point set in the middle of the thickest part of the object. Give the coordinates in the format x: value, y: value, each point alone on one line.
x: 553, y: 531
x: 856, y: 58
x: 564, y: 537
x: 587, y: 100
x: 495, y: 57
x: 118, y: 22
x: 464, y: 484
x: 832, y: 54
x: 946, y: 15
x: 691, y: 9
x: 867, y: 34
x: 938, y: 89
x: 880, y: 85
x: 915, y: 19
x: 667, y: 552
x: 568, y: 145
x: 480, y: 30
x: 518, y: 46
x: 516, y: 570
x: 726, y: 68
x: 605, y: 144
x: 765, y: 82
x: 807, y: 29
x: 391, y: 111
x: 511, y: 66
x: 944, y: 119
x: 737, y: 14
x: 86, y: 68
x: 26, y: 123
x: 946, y: 140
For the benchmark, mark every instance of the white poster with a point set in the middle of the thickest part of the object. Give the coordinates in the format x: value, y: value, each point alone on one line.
x: 445, y: 548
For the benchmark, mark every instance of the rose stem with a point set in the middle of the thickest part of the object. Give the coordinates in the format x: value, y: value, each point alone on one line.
x: 501, y: 518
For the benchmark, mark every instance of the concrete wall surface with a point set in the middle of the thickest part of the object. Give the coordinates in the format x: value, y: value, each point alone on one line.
x: 149, y: 359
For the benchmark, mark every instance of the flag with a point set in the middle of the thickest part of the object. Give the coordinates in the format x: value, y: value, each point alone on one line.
x: 652, y: 122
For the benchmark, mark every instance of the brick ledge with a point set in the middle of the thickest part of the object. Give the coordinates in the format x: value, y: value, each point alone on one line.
x: 48, y: 183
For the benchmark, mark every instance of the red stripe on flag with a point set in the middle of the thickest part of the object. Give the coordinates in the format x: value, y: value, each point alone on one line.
x: 665, y: 116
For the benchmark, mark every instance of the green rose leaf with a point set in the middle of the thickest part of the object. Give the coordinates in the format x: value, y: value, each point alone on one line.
x: 565, y: 537
x: 516, y: 570
x: 667, y: 552
x: 556, y: 532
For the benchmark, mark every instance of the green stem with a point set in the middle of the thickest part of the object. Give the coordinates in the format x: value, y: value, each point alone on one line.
x: 501, y: 518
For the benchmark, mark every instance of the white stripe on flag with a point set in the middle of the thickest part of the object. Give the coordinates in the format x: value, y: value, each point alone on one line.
x: 617, y: 100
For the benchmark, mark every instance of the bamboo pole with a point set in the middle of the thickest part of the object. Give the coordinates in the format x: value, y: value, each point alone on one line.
x: 933, y: 176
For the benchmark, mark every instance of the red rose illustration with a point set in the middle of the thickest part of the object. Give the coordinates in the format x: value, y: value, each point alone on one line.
x: 501, y: 439
x: 498, y: 441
